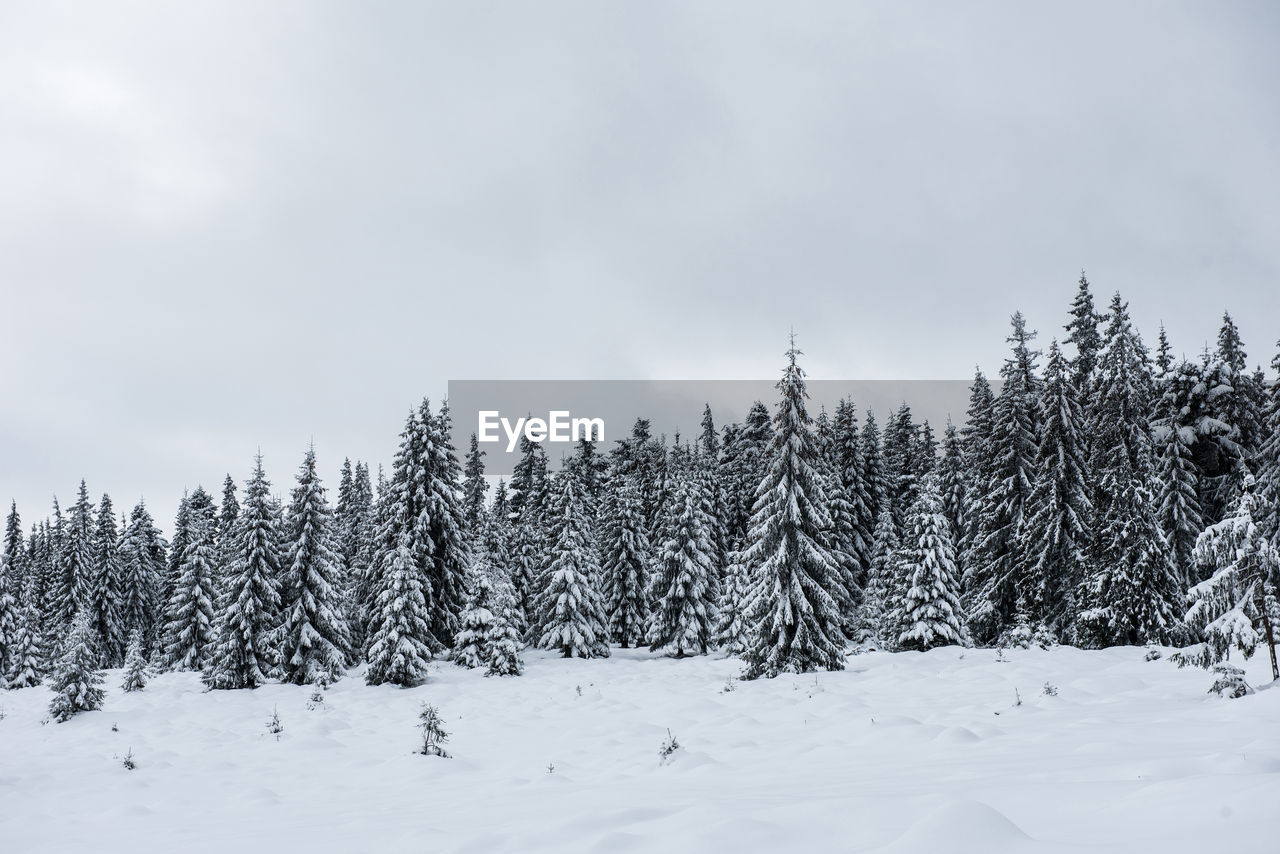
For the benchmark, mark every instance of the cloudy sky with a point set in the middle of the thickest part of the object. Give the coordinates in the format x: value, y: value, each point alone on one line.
x: 226, y: 226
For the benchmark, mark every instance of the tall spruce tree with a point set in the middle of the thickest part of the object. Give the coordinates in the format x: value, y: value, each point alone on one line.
x: 1175, y: 432
x: 1054, y: 543
x: 443, y: 523
x: 78, y: 567
x: 317, y: 642
x: 76, y: 680
x: 932, y: 612
x: 796, y: 624
x: 400, y: 642
x: 142, y: 559
x: 873, y: 474
x: 1236, y: 605
x: 995, y: 575
x: 685, y: 588
x: 1129, y: 595
x: 571, y: 618
x: 247, y: 650
x: 625, y: 562
x: 952, y: 486
x: 1082, y: 332
x: 853, y: 484
x: 106, y: 588
x: 474, y: 486
x: 9, y: 622
x: 1268, y: 462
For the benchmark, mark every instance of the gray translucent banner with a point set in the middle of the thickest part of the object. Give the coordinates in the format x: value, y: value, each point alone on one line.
x: 493, y: 409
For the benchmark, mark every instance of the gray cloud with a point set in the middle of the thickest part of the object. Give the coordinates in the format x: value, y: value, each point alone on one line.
x: 227, y: 226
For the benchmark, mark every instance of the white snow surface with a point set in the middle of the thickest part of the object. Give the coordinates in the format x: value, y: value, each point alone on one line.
x: 905, y: 752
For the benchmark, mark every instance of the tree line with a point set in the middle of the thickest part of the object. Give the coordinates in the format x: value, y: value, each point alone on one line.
x: 1097, y: 494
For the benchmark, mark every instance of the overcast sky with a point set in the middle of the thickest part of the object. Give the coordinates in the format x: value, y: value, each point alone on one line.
x: 232, y: 225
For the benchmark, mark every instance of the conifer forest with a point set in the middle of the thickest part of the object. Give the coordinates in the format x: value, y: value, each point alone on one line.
x: 709, y: 427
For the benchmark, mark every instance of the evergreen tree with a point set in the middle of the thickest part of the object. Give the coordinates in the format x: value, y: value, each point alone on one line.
x: 874, y: 615
x: 529, y: 479
x: 9, y: 623
x: 570, y: 610
x: 1269, y: 462
x: 684, y: 585
x: 873, y: 474
x: 853, y: 485
x: 842, y: 533
x: 1082, y: 332
x: 249, y: 607
x: 901, y: 444
x: 995, y: 578
x: 188, y: 627
x: 1164, y: 354
x: 317, y: 642
x: 796, y: 623
x: 76, y: 681
x: 1054, y: 542
x: 443, y: 523
x: 78, y: 570
x: 135, y: 664
x: 399, y: 630
x: 952, y: 485
x: 1175, y: 433
x: 732, y: 630
x: 142, y: 560
x: 26, y: 656
x: 1129, y: 595
x: 487, y: 638
x: 106, y: 588
x: 625, y: 553
x: 15, y: 552
x: 230, y: 509
x: 1236, y: 605
x: 474, y: 486
x: 932, y: 608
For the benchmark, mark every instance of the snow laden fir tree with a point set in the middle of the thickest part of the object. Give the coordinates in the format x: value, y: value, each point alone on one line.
x: 796, y: 622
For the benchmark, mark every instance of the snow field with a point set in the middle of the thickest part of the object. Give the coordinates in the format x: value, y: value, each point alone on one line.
x: 906, y: 752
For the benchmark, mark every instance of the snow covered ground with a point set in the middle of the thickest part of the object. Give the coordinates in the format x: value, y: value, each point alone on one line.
x: 902, y: 752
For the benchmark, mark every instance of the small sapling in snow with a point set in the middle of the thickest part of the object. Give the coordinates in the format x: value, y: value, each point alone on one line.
x: 1230, y: 682
x: 274, y: 725
x: 669, y: 747
x: 128, y: 762
x: 1050, y: 690
x: 433, y: 732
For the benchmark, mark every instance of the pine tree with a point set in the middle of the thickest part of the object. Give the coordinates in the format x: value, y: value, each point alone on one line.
x: 843, y: 533
x: 684, y: 584
x: 1164, y: 354
x: 1269, y: 462
x: 230, y: 511
x: 1053, y: 544
x: 487, y: 638
x: 874, y: 616
x: 853, y: 484
x: 873, y: 474
x: 9, y: 622
x: 1236, y: 605
x: 316, y: 639
x: 1083, y: 334
x: 796, y: 623
x: 399, y: 630
x: 932, y: 608
x: 901, y: 444
x: 142, y: 559
x: 189, y: 614
x: 26, y: 655
x: 76, y: 681
x: 570, y: 609
x: 15, y: 552
x: 106, y: 588
x: 952, y: 485
x: 732, y: 629
x: 249, y: 607
x: 474, y: 487
x: 625, y: 553
x: 995, y: 578
x: 78, y: 570
x: 1130, y: 593
x: 1175, y: 432
x: 444, y: 524
x: 135, y: 664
